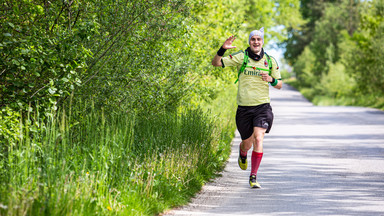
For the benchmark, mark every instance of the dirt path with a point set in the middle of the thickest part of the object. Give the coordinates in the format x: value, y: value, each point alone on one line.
x: 317, y: 161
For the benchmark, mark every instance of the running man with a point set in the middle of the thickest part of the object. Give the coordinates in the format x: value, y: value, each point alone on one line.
x: 254, y: 115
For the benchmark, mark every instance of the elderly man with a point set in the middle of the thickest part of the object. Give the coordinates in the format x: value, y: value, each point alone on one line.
x: 254, y: 115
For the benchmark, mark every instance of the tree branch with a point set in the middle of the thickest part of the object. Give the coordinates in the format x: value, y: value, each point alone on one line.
x: 120, y: 33
x: 2, y: 72
x: 77, y: 16
x: 57, y: 18
x: 39, y: 90
x: 114, y: 35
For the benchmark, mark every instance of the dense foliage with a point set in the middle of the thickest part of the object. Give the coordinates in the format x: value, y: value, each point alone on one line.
x: 102, y: 101
x: 98, y: 49
x: 337, y: 55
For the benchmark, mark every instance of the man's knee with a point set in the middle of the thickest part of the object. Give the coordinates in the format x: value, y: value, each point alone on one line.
x: 247, y: 144
x: 259, y: 139
x: 259, y: 133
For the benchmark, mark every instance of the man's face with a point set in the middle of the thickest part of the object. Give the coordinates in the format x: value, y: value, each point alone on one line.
x: 256, y: 43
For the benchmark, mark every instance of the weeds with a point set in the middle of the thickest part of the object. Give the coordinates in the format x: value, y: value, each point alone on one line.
x: 110, y: 163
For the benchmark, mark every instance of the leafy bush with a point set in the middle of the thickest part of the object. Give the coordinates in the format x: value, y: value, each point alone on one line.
x: 303, y: 68
x: 336, y: 83
x: 10, y: 130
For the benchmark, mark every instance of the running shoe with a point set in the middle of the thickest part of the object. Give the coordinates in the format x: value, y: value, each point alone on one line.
x: 243, y: 164
x: 253, y: 183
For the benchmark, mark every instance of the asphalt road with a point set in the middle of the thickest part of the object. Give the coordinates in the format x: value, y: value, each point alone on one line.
x: 317, y: 161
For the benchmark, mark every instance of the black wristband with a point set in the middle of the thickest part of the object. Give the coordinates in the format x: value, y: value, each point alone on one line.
x: 221, y: 51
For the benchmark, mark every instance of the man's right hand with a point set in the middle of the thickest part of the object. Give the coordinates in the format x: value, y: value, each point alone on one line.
x: 216, y: 61
x: 228, y: 43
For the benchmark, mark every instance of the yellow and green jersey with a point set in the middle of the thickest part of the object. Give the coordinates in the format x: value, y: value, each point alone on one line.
x: 252, y: 90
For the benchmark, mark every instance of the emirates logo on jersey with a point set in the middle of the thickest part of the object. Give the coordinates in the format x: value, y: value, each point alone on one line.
x: 265, y: 63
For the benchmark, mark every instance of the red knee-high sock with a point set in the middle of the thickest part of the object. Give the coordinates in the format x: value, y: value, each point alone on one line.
x: 242, y: 153
x: 256, y: 160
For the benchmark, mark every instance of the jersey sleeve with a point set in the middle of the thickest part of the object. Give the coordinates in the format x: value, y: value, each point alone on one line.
x: 234, y: 59
x: 275, y: 69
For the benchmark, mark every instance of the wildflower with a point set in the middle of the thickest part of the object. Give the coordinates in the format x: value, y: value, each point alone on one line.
x: 87, y: 173
x: 109, y: 208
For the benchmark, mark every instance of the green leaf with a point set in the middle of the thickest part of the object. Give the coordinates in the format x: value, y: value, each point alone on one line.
x: 40, y: 9
x: 52, y: 90
x: 7, y: 34
x: 15, y: 62
x: 24, y: 51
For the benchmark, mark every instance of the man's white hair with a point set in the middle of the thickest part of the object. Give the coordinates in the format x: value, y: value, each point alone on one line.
x: 259, y: 32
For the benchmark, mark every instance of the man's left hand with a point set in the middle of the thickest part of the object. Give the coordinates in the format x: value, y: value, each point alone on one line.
x: 266, y: 77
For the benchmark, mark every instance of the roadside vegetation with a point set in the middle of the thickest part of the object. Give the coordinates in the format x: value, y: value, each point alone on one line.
x: 112, y: 162
x: 337, y: 56
x: 112, y: 107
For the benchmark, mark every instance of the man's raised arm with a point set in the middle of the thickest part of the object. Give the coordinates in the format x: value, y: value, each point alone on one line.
x: 216, y: 61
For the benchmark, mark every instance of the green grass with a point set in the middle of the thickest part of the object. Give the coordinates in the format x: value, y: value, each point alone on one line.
x: 373, y: 101
x: 364, y: 100
x: 113, y: 163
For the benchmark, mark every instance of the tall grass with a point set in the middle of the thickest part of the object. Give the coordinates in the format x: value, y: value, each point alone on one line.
x: 353, y: 98
x: 110, y: 163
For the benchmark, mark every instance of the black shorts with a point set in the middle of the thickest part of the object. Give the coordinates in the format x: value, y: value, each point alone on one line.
x: 248, y: 117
